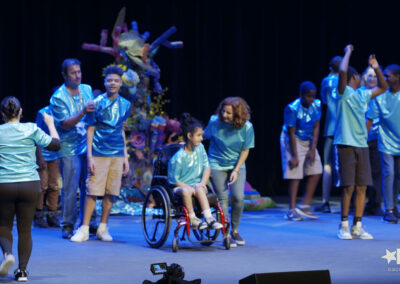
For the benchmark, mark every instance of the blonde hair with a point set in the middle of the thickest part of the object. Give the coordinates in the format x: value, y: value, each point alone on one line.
x: 241, y: 110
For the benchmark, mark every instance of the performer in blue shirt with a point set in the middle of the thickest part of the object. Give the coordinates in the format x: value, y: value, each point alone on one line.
x: 49, y: 173
x: 189, y: 171
x: 300, y: 157
x: 329, y: 97
x: 106, y: 153
x: 351, y: 142
x: 374, y: 191
x: 386, y: 108
x: 69, y: 105
x: 19, y: 181
x: 231, y: 137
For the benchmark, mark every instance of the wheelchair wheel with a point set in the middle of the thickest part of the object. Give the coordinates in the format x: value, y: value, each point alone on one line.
x: 227, y: 242
x: 156, y: 217
x: 208, y: 234
x: 175, y: 243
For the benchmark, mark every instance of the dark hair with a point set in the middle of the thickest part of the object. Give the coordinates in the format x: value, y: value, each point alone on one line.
x: 306, y: 87
x: 334, y: 63
x: 10, y: 108
x: 189, y: 124
x: 113, y: 70
x: 69, y: 62
x: 394, y: 69
x: 241, y: 111
x: 350, y: 73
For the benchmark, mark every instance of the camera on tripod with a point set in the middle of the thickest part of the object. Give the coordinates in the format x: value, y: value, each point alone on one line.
x: 172, y: 274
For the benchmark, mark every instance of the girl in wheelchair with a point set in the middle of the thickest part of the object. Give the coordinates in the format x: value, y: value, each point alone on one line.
x: 189, y: 171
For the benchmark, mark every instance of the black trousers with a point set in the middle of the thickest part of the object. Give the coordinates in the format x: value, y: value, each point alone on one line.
x: 18, y: 199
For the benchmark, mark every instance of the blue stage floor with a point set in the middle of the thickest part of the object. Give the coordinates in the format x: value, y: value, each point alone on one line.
x: 272, y: 245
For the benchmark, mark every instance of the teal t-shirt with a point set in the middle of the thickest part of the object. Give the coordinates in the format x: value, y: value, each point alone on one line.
x: 303, y: 118
x: 351, y: 129
x: 18, y: 143
x: 386, y: 108
x: 188, y: 167
x: 64, y: 105
x: 108, y: 120
x: 330, y: 97
x: 227, y: 142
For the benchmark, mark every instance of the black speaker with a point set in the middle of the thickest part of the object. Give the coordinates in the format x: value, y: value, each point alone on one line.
x: 295, y: 277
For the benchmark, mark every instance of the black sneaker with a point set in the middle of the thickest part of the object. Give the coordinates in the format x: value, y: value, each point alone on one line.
x: 38, y: 220
x: 396, y: 212
x: 238, y: 239
x: 67, y: 232
x: 52, y: 219
x: 390, y: 217
x: 373, y: 211
x: 21, y: 275
x: 324, y: 208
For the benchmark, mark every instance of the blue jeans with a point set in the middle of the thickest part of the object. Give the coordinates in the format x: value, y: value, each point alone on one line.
x: 219, y: 180
x: 73, y: 171
x: 390, y: 179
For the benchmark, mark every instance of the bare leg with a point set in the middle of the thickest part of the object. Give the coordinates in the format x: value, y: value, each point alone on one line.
x: 312, y: 182
x: 187, y: 198
x: 360, y: 201
x: 293, y: 188
x: 106, y: 208
x: 90, y: 204
x: 346, y: 199
x: 202, y: 198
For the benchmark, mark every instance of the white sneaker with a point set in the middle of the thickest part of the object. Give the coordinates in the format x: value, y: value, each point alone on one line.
x: 81, y: 235
x: 358, y: 232
x: 197, y: 224
x: 305, y: 210
x: 213, y: 224
x: 8, y: 260
x: 344, y: 232
x: 103, y: 234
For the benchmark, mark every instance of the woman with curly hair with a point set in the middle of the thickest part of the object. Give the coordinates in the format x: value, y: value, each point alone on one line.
x: 231, y: 137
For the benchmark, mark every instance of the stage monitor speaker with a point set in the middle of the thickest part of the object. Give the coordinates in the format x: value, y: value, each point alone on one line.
x: 295, y: 277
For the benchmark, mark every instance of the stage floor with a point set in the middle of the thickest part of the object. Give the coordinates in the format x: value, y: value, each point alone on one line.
x: 272, y: 245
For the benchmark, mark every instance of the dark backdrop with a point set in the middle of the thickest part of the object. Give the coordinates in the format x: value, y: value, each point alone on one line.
x: 258, y: 50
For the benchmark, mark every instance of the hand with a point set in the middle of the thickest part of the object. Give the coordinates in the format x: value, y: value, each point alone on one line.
x: 311, y: 156
x: 234, y: 176
x: 293, y: 162
x: 373, y: 62
x: 91, y: 166
x: 89, y: 107
x: 349, y: 48
x: 48, y: 119
x: 125, y: 166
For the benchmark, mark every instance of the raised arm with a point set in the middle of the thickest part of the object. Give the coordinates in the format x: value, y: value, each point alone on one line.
x: 382, y: 84
x: 55, y: 142
x: 344, y: 65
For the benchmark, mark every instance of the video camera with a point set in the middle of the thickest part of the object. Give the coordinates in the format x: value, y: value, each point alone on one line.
x: 172, y: 274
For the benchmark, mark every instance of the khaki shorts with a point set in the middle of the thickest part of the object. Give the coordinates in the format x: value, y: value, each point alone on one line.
x: 305, y: 167
x: 107, y: 176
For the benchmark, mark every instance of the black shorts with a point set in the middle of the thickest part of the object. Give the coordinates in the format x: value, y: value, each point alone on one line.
x: 354, y: 166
